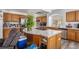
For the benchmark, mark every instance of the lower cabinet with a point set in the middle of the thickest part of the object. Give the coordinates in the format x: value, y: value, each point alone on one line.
x: 71, y: 34
x: 6, y: 33
x: 54, y: 42
x: 77, y: 36
x: 37, y: 40
x: 33, y: 39
x: 51, y: 43
x: 58, y: 41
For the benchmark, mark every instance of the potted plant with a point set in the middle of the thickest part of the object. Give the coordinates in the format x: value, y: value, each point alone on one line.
x: 29, y: 23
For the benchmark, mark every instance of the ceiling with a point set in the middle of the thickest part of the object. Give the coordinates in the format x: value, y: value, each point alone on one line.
x: 25, y: 10
x: 37, y: 11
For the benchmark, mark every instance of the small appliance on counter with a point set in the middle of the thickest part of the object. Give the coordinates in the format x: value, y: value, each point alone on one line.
x: 69, y: 26
x: 11, y: 25
x: 78, y: 26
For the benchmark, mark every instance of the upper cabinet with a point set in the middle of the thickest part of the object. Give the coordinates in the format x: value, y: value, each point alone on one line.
x: 7, y: 17
x: 71, y: 16
x: 77, y: 16
x: 15, y: 18
x: 23, y: 16
x: 42, y: 19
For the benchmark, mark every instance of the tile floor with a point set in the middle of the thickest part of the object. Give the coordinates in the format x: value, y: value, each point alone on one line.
x: 69, y: 44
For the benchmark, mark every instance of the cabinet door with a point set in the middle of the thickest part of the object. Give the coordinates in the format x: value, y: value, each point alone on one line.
x: 44, y: 19
x: 70, y: 16
x: 22, y: 16
x: 52, y: 43
x: 29, y: 36
x: 15, y: 18
x: 37, y: 40
x: 6, y: 33
x: 77, y: 15
x: 71, y: 34
x: 58, y: 42
x: 7, y: 17
x: 77, y: 36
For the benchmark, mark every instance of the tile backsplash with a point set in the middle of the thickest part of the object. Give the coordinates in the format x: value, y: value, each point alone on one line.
x: 11, y: 24
x: 73, y: 24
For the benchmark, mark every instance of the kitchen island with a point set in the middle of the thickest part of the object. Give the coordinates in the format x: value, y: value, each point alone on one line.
x: 51, y: 38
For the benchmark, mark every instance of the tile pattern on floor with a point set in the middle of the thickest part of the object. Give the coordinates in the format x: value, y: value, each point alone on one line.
x: 66, y: 44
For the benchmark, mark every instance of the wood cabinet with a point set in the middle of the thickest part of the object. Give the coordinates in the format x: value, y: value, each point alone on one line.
x: 71, y: 34
x: 54, y: 42
x: 70, y: 16
x: 77, y: 16
x: 7, y: 17
x: 22, y: 16
x: 6, y: 33
x: 51, y: 42
x: 37, y: 40
x: 42, y: 18
x: 15, y: 18
x: 58, y: 41
x: 77, y: 35
x: 34, y: 39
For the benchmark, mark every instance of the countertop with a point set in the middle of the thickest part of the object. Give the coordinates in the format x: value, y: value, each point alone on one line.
x: 46, y: 33
x: 64, y: 28
x: 10, y: 27
x: 73, y: 28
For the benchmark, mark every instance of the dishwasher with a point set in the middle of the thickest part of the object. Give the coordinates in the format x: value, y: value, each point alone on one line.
x: 64, y: 34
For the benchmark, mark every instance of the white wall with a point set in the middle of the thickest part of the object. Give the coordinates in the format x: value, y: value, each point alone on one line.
x: 1, y: 24
x: 61, y: 12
